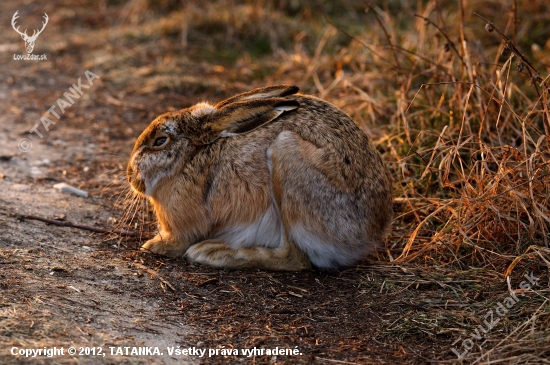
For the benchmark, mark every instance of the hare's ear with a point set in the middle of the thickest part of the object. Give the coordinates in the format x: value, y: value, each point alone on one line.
x: 277, y: 91
x: 243, y: 117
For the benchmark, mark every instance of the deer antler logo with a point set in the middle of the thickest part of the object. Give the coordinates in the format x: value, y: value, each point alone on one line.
x: 29, y: 41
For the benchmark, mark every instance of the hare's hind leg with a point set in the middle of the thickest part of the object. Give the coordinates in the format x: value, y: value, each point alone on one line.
x: 320, y: 212
x: 287, y: 257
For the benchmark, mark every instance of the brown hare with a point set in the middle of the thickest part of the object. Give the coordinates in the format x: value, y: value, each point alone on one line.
x: 267, y: 179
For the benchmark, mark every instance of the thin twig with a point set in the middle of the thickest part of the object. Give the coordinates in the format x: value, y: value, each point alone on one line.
x: 367, y: 46
x: 72, y: 225
x: 377, y: 17
x: 507, y: 42
x: 515, y: 15
x: 449, y: 42
x: 153, y: 273
x: 533, y: 72
x: 393, y: 46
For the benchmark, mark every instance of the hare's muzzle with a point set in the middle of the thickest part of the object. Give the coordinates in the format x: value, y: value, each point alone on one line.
x: 135, y: 182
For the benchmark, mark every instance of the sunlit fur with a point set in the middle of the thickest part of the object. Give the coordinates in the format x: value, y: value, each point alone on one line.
x: 268, y: 179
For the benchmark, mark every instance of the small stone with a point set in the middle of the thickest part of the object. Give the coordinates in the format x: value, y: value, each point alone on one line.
x: 36, y: 170
x: 20, y: 187
x: 67, y: 189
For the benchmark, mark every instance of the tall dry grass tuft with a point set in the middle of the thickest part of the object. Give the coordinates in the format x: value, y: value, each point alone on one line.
x: 486, y: 181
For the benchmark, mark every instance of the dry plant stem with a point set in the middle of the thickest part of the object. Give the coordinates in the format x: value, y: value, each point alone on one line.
x: 439, y: 14
x: 537, y: 250
x: 449, y: 42
x: 428, y: 61
x: 515, y: 16
x: 311, y: 70
x: 72, y: 225
x: 399, y: 48
x: 515, y: 331
x: 468, y: 61
x: 367, y: 46
x: 153, y: 273
x: 491, y: 95
x: 533, y: 72
x: 491, y: 27
x: 377, y: 17
x: 410, y: 241
x: 463, y: 38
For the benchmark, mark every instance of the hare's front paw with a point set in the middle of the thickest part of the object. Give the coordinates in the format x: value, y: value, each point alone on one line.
x: 163, y: 244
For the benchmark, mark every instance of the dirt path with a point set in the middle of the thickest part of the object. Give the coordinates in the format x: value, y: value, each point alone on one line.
x: 64, y: 286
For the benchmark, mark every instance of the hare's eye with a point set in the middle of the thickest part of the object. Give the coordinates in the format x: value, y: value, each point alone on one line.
x: 160, y: 141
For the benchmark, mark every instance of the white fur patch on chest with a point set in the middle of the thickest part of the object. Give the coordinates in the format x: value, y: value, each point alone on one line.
x: 264, y: 232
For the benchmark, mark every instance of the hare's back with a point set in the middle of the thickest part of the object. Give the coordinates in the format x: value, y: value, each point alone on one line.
x: 331, y: 129
x: 323, y: 124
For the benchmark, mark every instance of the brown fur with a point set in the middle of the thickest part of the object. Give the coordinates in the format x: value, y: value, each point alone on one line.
x: 327, y: 198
